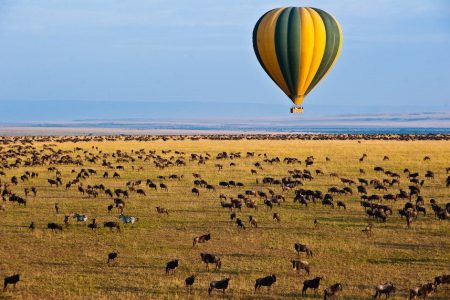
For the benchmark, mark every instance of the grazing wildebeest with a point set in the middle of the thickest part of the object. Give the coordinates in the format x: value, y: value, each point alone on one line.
x: 52, y: 182
x: 201, y: 239
x: 163, y: 187
x: 268, y: 204
x: 253, y: 222
x: 443, y: 279
x: 303, y: 248
x: 341, y: 204
x: 211, y: 259
x: 311, y: 284
x: 331, y: 291
x: 112, y: 256
x: 298, y: 265
x: 140, y: 192
x: 265, y: 281
x: 388, y: 288
x: 218, y: 285
x: 110, y: 207
x: 240, y: 223
x: 329, y: 202
x: 422, y: 291
x: 162, y: 210
x: 14, y: 279
x: 189, y: 281
x: 54, y: 226
x: 171, y: 266
x: 111, y: 225
x: 195, y: 191
x: 93, y: 225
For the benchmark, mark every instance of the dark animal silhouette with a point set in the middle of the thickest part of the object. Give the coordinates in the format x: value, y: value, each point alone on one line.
x: 443, y: 279
x: 201, y: 239
x: 211, y: 259
x: 387, y: 289
x: 331, y: 291
x: 303, y: 248
x: 54, y: 226
x: 171, y: 266
x: 14, y: 279
x: 240, y: 223
x: 112, y: 256
x: 218, y: 285
x: 265, y: 281
x: 311, y: 284
x: 422, y: 291
x: 111, y: 225
x: 189, y: 281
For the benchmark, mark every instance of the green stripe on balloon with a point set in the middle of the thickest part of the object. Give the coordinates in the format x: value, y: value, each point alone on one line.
x: 333, y: 38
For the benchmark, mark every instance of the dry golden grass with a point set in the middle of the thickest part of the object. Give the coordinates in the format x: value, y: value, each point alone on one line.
x: 72, y: 264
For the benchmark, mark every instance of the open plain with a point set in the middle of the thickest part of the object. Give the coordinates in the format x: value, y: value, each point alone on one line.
x: 72, y: 263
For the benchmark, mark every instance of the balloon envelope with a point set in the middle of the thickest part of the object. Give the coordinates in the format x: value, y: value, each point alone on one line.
x: 297, y: 46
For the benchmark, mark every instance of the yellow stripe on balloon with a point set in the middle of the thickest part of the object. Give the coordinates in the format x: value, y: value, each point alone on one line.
x: 306, y: 48
x: 320, y: 40
x: 266, y: 48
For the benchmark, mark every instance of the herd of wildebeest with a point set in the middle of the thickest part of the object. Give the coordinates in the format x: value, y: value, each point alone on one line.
x: 22, y: 152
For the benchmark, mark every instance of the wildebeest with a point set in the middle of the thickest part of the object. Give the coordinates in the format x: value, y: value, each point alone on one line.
x: 211, y: 259
x: 32, y: 226
x: 341, y: 204
x: 265, y: 281
x: 112, y: 256
x: 388, y: 288
x: 311, y: 284
x: 171, y: 266
x: 331, y: 291
x: 218, y: 285
x: 443, y: 279
x: 14, y: 279
x: 422, y: 291
x: 303, y: 248
x: 201, y: 239
x: 298, y: 265
x: 162, y: 210
x: 111, y: 225
x: 93, y: 224
x: 140, y: 192
x: 253, y: 222
x: 54, y: 226
x: 240, y: 223
x: 189, y: 281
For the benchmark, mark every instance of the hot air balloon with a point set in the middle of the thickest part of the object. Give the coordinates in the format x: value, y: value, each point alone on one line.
x: 297, y: 46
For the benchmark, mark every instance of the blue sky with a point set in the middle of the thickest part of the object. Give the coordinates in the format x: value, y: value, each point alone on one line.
x: 395, y: 53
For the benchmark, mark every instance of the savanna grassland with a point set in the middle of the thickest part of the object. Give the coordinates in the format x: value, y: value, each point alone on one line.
x: 72, y: 264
